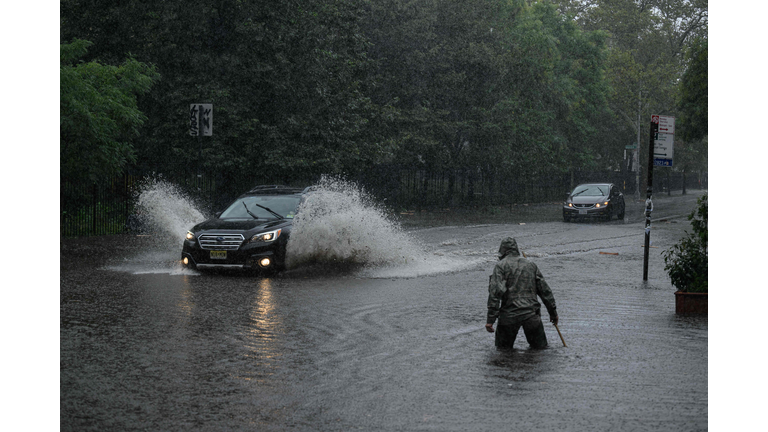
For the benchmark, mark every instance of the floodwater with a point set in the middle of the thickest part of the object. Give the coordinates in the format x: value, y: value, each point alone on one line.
x: 344, y: 343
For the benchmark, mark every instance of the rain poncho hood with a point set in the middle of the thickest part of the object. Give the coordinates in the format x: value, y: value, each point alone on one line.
x: 508, y: 247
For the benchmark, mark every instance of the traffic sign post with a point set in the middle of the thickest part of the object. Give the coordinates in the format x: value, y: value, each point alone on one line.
x: 201, y: 120
x: 660, y: 152
x: 200, y: 124
x: 663, y: 140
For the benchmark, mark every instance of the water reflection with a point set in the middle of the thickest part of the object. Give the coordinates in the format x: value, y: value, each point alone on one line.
x: 262, y: 334
x: 263, y: 305
x: 185, y: 304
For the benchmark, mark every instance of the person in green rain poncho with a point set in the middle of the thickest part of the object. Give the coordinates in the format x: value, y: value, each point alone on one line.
x: 512, y: 298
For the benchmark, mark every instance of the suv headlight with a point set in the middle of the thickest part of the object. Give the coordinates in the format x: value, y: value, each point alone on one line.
x: 190, y: 235
x: 266, y: 237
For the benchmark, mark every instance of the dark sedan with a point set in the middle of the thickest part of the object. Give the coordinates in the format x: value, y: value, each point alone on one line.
x: 251, y: 233
x: 594, y: 200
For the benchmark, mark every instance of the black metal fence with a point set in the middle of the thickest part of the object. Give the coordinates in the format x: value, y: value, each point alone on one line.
x: 95, y: 208
x: 417, y: 189
x: 89, y: 209
x: 106, y: 208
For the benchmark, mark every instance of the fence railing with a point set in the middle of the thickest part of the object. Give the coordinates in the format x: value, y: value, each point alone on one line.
x: 95, y: 208
x: 89, y: 209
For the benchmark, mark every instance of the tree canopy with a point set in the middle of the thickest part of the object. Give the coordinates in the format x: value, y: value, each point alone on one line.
x: 99, y: 112
x: 693, y: 94
x: 303, y: 88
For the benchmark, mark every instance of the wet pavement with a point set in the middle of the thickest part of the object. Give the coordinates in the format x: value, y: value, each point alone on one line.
x: 146, y: 346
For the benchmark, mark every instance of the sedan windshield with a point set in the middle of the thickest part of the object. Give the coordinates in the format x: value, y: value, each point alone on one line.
x: 590, y: 190
x: 285, y: 206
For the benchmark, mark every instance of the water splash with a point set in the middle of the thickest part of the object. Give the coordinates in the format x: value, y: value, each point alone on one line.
x: 338, y: 226
x: 164, y: 214
x: 339, y: 223
x: 167, y: 211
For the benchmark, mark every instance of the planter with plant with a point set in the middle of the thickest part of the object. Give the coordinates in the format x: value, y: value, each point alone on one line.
x: 687, y: 264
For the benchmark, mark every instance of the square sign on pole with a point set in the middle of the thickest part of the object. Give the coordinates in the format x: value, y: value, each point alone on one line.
x: 663, y: 149
x: 201, y: 119
x: 667, y: 125
x: 663, y: 140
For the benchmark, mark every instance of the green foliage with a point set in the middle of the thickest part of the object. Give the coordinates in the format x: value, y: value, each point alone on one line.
x: 496, y: 86
x: 300, y: 88
x: 693, y: 102
x: 98, y: 113
x: 687, y: 261
x: 647, y: 40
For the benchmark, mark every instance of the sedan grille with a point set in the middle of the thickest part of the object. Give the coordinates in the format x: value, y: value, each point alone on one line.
x: 583, y: 205
x: 221, y: 241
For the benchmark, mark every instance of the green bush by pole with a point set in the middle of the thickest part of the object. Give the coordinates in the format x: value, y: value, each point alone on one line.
x: 687, y: 261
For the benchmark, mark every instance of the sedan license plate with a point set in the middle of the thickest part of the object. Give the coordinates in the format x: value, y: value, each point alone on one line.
x: 218, y: 254
x: 582, y: 212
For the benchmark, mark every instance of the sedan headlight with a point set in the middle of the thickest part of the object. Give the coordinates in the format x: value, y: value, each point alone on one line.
x: 267, y: 236
x: 190, y: 235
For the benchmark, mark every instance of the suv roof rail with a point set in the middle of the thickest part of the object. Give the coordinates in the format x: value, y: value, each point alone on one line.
x: 275, y: 189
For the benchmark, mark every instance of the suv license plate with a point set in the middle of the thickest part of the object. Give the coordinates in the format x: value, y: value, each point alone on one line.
x: 218, y: 254
x: 582, y: 212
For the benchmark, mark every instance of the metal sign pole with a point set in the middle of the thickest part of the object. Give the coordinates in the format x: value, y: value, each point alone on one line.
x: 201, y: 123
x: 200, y: 149
x: 649, y: 193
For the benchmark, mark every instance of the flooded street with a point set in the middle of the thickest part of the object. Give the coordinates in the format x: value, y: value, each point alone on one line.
x: 146, y: 345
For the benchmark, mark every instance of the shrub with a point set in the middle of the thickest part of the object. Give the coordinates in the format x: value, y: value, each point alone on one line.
x: 686, y: 262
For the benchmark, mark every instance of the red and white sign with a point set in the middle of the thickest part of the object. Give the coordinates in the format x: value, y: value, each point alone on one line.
x: 666, y: 124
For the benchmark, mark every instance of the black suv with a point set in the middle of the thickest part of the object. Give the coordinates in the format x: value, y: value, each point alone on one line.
x: 250, y: 234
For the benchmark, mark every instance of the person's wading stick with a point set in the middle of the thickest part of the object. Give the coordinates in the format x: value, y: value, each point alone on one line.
x: 561, y: 336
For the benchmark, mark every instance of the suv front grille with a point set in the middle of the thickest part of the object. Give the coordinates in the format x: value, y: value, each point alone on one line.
x: 221, y: 241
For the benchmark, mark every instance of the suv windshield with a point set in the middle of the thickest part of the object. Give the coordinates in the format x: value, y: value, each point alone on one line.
x: 590, y: 190
x: 284, y: 205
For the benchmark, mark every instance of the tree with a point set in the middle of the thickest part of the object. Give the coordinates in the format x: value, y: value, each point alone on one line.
x: 287, y: 81
x: 98, y: 113
x: 308, y: 87
x: 438, y: 71
x: 693, y: 101
x: 488, y: 86
x: 648, y: 39
x: 579, y: 92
